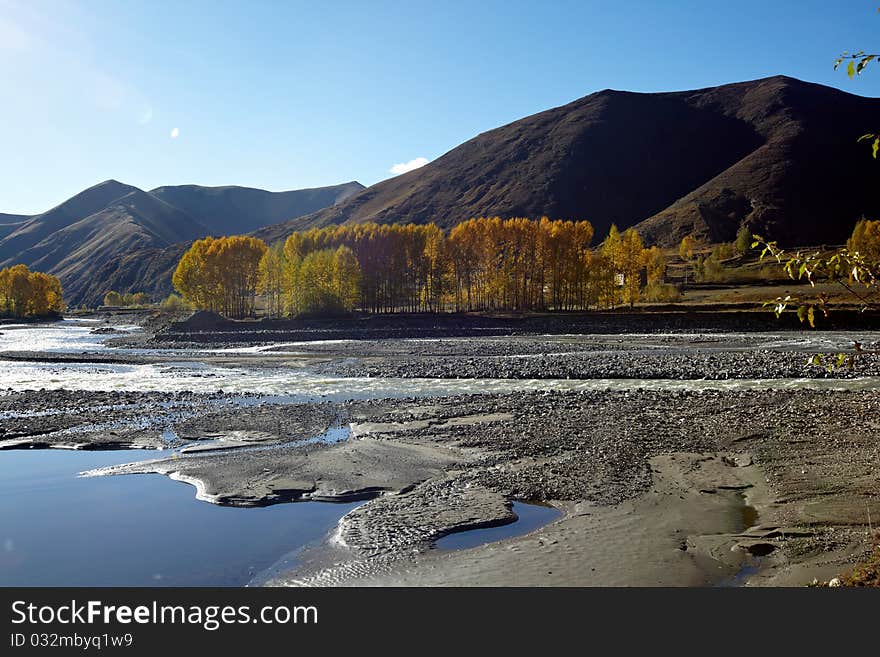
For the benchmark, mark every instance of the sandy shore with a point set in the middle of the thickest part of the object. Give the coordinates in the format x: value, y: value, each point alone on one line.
x: 655, y: 487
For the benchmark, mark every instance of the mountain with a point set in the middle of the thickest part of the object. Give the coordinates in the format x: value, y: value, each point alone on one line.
x: 777, y: 154
x: 146, y: 270
x: 10, y: 223
x: 235, y: 210
x: 38, y: 227
x: 115, y: 236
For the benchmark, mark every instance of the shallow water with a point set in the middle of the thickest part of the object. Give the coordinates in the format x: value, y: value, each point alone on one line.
x: 57, y: 529
x: 529, y: 518
x: 147, y: 530
x: 298, y: 385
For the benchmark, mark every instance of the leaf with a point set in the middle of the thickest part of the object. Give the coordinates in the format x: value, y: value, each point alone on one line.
x: 851, y: 69
x: 876, y: 147
x: 811, y: 317
x: 802, y: 313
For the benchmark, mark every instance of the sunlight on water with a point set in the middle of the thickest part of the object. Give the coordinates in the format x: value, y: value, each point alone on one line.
x: 299, y: 384
x: 174, y: 375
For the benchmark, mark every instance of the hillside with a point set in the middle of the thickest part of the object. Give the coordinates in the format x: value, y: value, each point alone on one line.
x: 777, y: 154
x: 10, y: 223
x: 37, y: 228
x: 230, y: 210
x: 115, y: 236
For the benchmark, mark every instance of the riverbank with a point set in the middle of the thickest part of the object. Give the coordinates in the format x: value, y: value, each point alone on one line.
x: 655, y: 487
x: 663, y: 474
x: 203, y: 328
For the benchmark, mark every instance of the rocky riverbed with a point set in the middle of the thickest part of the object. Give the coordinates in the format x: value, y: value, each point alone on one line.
x: 804, y: 462
x: 655, y: 486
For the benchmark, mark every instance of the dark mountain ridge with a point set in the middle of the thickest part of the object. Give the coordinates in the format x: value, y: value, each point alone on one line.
x: 777, y: 154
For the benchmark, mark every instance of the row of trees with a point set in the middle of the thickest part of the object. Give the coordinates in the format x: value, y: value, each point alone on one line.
x: 117, y: 299
x: 26, y: 293
x: 482, y: 264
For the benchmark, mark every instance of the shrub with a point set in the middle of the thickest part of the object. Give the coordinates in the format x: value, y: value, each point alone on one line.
x: 662, y: 293
x: 174, y: 303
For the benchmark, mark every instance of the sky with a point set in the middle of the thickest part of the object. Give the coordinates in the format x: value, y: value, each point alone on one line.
x: 287, y: 94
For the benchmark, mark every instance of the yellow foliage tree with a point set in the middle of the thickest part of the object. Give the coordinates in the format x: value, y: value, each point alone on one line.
x: 865, y: 240
x: 272, y: 279
x: 655, y: 264
x: 24, y: 293
x: 346, y: 278
x: 221, y: 274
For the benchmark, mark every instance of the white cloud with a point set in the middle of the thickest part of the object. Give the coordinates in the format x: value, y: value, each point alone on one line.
x: 403, y: 167
x: 175, y: 133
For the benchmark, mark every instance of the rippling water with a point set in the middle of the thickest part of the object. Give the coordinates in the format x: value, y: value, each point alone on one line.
x: 298, y: 384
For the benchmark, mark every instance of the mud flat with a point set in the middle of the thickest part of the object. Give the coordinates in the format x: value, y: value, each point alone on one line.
x: 68, y: 419
x: 672, y: 488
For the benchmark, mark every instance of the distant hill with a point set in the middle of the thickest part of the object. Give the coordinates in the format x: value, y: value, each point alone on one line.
x: 777, y: 154
x: 115, y: 236
x: 230, y: 210
x: 10, y: 223
x: 37, y: 228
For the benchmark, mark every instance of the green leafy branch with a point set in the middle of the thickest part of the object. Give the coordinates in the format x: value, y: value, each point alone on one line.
x: 855, y: 64
x: 847, y: 268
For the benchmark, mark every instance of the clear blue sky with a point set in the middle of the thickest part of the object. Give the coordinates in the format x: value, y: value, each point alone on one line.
x: 286, y: 94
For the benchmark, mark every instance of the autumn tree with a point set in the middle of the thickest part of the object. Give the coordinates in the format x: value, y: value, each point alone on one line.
x: 346, y: 278
x: 174, y: 303
x: 865, y: 240
x: 24, y: 293
x: 655, y: 265
x: 113, y: 298
x: 221, y: 274
x: 631, y: 258
x: 743, y: 240
x: 686, y: 252
x: 272, y: 280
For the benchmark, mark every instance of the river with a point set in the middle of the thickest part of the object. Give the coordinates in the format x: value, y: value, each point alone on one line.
x: 57, y: 528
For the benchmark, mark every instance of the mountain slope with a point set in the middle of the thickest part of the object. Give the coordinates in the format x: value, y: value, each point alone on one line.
x: 11, y: 222
x: 146, y: 270
x: 38, y: 227
x: 234, y: 210
x: 115, y: 236
x: 777, y: 154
